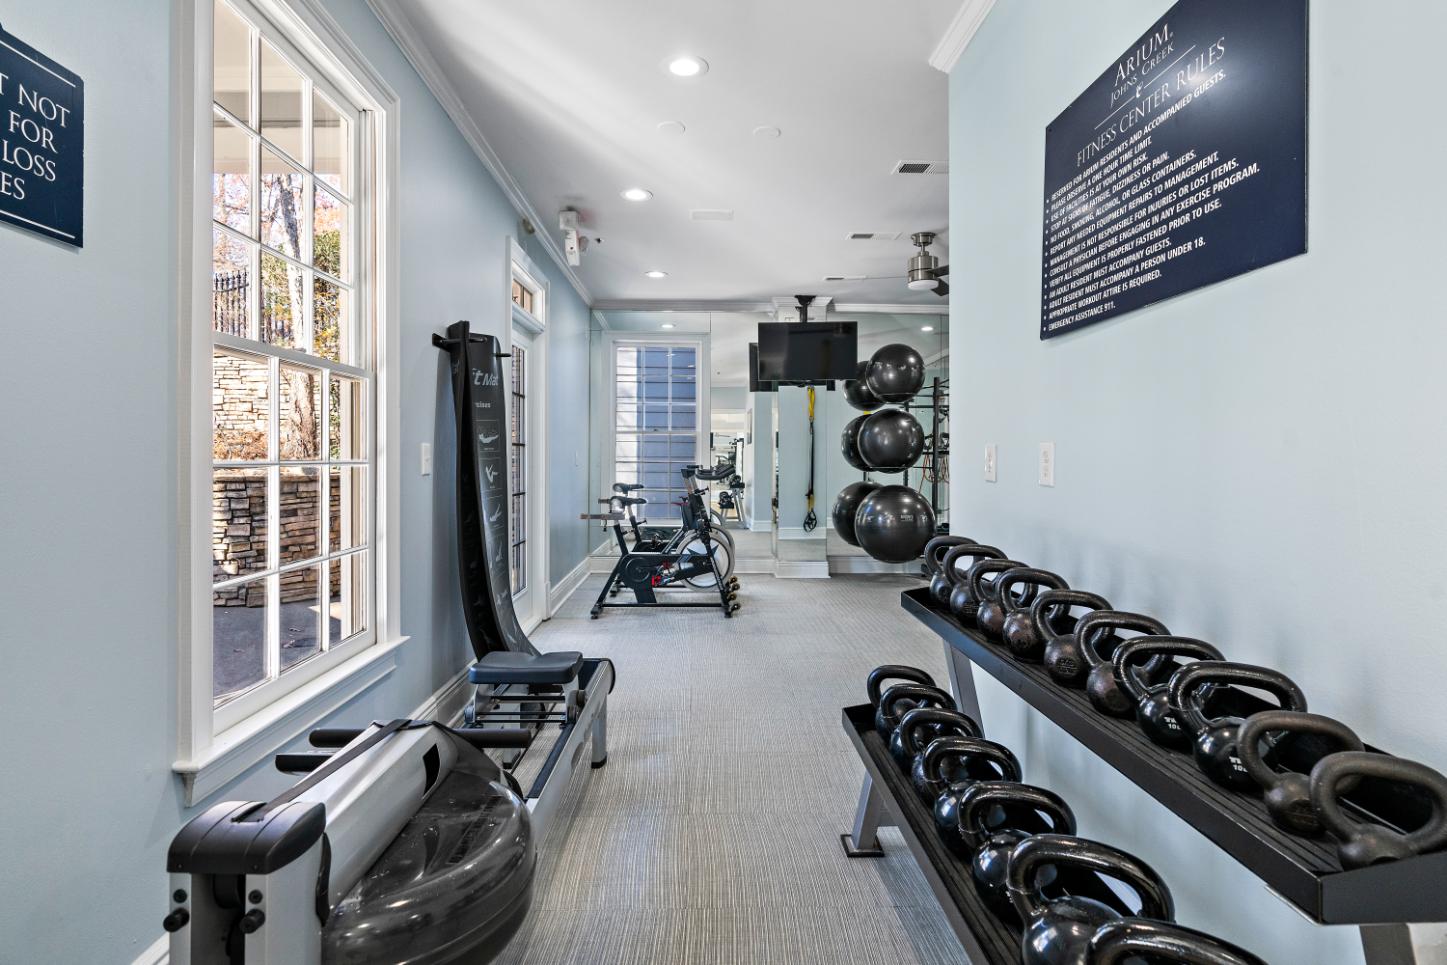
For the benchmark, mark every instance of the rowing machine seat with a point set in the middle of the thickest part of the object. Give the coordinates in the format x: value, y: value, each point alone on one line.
x: 514, y: 667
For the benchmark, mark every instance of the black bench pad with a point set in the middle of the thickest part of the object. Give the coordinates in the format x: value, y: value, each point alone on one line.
x: 509, y: 667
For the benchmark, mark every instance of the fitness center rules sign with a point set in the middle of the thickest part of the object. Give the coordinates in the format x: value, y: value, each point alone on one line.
x: 1184, y: 164
x: 42, y: 143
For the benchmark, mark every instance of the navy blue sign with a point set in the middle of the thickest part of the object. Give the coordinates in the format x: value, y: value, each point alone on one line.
x: 1182, y: 165
x: 42, y: 143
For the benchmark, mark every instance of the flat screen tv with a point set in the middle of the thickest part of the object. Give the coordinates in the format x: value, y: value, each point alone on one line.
x: 808, y: 351
x: 754, y: 384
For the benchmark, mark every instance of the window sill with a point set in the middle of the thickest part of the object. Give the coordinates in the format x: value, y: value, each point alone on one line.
x: 237, y: 749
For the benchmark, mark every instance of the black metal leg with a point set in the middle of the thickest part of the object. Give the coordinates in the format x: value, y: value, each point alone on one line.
x: 869, y: 816
x: 1388, y: 945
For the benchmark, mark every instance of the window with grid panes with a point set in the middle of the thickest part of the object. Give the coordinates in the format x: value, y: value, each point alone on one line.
x: 655, y: 430
x: 292, y: 364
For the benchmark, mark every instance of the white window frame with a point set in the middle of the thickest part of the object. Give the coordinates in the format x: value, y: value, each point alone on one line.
x: 522, y: 269
x: 217, y: 745
x: 611, y: 341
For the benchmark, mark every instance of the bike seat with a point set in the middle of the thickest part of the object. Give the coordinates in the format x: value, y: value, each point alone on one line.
x: 632, y: 501
x: 626, y: 487
x: 714, y: 474
x: 513, y: 667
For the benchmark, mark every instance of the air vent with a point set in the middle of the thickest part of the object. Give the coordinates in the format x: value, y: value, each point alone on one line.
x: 712, y: 214
x: 922, y: 167
x: 844, y: 278
x: 873, y: 236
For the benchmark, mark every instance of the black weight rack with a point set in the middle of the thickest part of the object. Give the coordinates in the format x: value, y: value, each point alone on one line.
x: 1304, y: 872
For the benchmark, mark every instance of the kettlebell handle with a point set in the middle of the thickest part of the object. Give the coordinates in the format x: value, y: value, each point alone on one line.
x: 1127, y: 939
x: 1332, y: 770
x: 937, y: 547
x: 1096, y: 625
x: 1259, y: 725
x: 1189, y: 680
x: 1030, y: 576
x: 981, y: 796
x: 924, y: 693
x: 1040, y: 610
x: 1126, y: 657
x: 1064, y: 849
x: 968, y: 748
x: 980, y: 570
x: 975, y: 551
x: 894, y: 671
x: 920, y: 717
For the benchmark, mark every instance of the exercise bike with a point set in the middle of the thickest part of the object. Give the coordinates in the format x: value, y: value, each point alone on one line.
x: 672, y: 540
x: 691, y: 556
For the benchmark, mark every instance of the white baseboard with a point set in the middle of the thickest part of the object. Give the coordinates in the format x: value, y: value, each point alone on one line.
x: 602, y: 564
x: 445, y: 705
x: 558, y: 594
x: 761, y: 566
x: 866, y: 564
x: 798, y: 532
x: 759, y: 525
x: 159, y: 953
x: 801, y: 570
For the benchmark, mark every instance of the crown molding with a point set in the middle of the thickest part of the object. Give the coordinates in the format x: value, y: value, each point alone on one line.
x: 639, y: 305
x: 405, y: 35
x: 959, y: 33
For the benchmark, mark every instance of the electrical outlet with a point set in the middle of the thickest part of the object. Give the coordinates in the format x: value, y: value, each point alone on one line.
x: 426, y: 464
x: 1047, y: 464
x: 990, y: 463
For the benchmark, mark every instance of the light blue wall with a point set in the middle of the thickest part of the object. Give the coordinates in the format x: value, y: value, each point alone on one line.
x: 88, y: 496
x: 1260, y: 463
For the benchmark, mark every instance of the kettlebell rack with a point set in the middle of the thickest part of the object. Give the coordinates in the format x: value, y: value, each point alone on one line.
x: 1304, y: 872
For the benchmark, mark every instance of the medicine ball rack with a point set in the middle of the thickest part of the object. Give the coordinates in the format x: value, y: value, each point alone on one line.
x: 1303, y: 872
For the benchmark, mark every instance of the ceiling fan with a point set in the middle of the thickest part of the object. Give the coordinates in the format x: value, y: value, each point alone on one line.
x: 925, y: 271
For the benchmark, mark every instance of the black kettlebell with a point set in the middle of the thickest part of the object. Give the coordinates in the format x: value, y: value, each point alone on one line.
x: 874, y: 686
x: 1069, y: 660
x: 1058, y: 930
x: 1287, y: 794
x: 1359, y: 843
x: 990, y: 618
x: 1149, y: 692
x: 997, y: 815
x: 1131, y: 940
x: 962, y: 602
x: 1213, y: 742
x: 925, y: 724
x: 1048, y: 617
x: 1019, y: 606
x: 1101, y: 687
x: 982, y: 760
x: 976, y: 592
x: 901, y: 699
x: 934, y: 554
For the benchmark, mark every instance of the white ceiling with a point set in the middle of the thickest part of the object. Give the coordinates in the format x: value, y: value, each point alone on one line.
x: 569, y: 93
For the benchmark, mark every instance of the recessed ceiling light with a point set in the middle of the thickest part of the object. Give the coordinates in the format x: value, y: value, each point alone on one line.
x: 671, y: 127
x: 767, y: 130
x: 655, y: 273
x: 688, y: 66
x: 926, y: 328
x: 636, y: 194
x: 666, y: 325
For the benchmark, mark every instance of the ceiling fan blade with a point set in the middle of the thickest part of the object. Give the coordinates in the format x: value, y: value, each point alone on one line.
x: 942, y: 289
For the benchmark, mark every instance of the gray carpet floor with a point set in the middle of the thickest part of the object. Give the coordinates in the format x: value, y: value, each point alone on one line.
x: 712, y: 834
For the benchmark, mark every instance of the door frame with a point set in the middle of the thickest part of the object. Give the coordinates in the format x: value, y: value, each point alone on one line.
x: 534, y: 327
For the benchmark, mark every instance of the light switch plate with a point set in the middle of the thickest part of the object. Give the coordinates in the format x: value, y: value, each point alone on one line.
x: 426, y: 461
x: 990, y: 463
x: 1047, y: 464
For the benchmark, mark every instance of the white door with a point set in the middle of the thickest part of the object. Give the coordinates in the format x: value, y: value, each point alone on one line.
x: 528, y: 524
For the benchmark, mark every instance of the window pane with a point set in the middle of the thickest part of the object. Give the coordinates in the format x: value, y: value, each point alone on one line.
x: 299, y: 419
x: 301, y: 615
x: 281, y: 93
x: 300, y: 518
x: 347, y: 496
x: 231, y: 175
x: 331, y: 326
x: 240, y: 407
x: 231, y: 62
x: 239, y: 617
x: 238, y: 522
x: 331, y: 143
x: 346, y: 413
x: 230, y: 284
x: 329, y: 234
x: 347, y: 605
x: 282, y: 289
x: 281, y: 205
